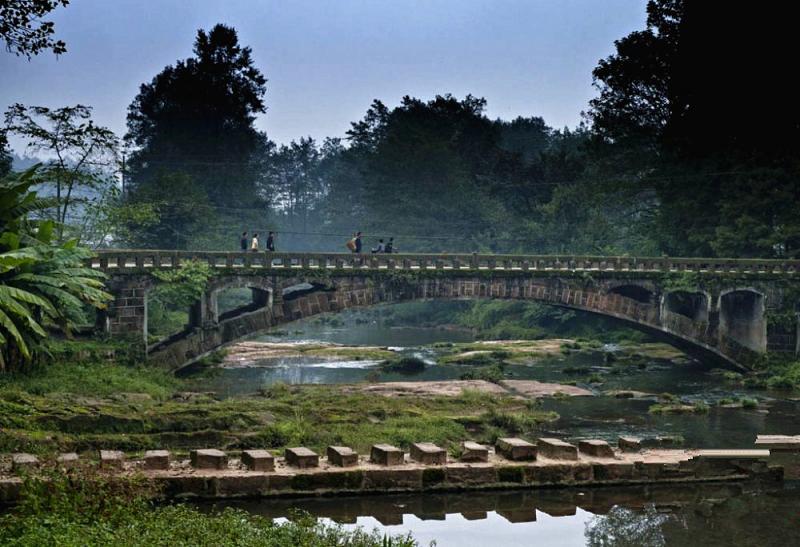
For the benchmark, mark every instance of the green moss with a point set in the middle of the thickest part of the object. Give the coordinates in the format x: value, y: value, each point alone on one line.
x: 354, y: 354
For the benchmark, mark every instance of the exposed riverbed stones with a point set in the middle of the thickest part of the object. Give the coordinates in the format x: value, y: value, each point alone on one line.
x: 516, y: 449
x: 556, y: 449
x: 67, y: 460
x: 386, y: 454
x: 629, y: 444
x: 258, y: 460
x: 500, y: 470
x: 342, y: 456
x: 23, y: 462
x: 596, y: 448
x: 208, y: 458
x: 784, y: 450
x: 111, y: 459
x: 156, y: 459
x: 428, y: 453
x: 302, y: 457
x: 474, y: 452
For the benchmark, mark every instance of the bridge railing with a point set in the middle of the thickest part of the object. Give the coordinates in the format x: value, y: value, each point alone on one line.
x: 129, y: 261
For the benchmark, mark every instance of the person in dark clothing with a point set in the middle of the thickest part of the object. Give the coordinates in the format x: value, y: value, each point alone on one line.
x: 389, y: 248
x: 358, y: 242
x: 271, y: 242
x: 243, y: 241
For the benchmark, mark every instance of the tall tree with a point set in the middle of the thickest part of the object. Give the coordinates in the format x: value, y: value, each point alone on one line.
x: 196, y: 118
x: 423, y: 165
x: 24, y: 31
x: 83, y: 155
x: 697, y: 115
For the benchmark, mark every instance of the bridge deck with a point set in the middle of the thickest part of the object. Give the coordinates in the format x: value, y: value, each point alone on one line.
x: 131, y: 261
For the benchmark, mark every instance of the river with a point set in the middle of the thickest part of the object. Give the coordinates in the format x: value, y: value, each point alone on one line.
x: 694, y: 515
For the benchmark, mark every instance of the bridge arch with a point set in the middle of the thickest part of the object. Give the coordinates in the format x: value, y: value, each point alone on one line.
x: 208, y: 310
x: 638, y: 292
x: 353, y: 292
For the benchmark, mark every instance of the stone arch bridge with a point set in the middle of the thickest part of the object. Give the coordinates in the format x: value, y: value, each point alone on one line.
x: 727, y: 310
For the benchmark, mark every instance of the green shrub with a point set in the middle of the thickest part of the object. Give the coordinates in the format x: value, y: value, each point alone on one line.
x: 748, y: 403
x: 92, y: 510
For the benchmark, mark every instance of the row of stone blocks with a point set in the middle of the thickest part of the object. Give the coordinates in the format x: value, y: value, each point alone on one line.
x: 382, y: 454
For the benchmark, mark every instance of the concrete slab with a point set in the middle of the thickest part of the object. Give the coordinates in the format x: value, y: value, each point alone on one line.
x: 22, y: 462
x: 156, y: 459
x: 596, y: 448
x: 474, y: 452
x: 386, y: 454
x: 301, y: 457
x: 428, y: 453
x: 208, y: 458
x: 629, y: 444
x: 67, y: 460
x: 513, y: 448
x: 258, y: 460
x: 342, y: 456
x: 556, y: 449
x: 780, y: 442
x: 733, y: 454
x: 111, y: 459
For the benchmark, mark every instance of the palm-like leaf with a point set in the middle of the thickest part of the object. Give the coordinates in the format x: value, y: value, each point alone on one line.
x: 40, y: 284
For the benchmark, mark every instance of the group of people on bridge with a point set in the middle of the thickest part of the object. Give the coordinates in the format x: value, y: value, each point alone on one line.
x: 253, y: 245
x: 354, y: 244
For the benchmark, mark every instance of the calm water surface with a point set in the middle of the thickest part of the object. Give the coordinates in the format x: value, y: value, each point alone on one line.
x: 708, y: 515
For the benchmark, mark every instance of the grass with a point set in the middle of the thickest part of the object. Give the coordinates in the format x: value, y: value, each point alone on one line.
x: 89, y: 406
x: 91, y: 379
x: 679, y: 408
x: 404, y: 365
x: 91, y: 510
x: 347, y: 353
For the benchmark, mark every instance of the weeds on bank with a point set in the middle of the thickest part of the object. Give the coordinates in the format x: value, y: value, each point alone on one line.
x: 90, y: 509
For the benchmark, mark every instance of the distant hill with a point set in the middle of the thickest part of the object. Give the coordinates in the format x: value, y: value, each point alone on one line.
x: 19, y: 163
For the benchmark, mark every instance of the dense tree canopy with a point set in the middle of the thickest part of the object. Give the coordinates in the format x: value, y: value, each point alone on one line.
x: 196, y: 118
x: 689, y: 148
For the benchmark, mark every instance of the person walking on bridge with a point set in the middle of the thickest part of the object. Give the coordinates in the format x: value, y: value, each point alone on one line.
x: 254, y: 243
x: 243, y: 241
x: 271, y: 242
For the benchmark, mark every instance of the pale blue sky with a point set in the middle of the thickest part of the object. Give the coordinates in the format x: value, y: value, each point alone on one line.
x: 326, y: 60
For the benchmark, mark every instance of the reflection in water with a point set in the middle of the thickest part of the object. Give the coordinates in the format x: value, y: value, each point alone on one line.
x: 654, y: 515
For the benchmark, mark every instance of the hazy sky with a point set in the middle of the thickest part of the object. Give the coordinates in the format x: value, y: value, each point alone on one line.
x: 326, y: 60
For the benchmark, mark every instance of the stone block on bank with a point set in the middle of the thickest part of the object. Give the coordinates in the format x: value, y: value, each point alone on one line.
x: 258, y: 460
x: 23, y: 462
x: 386, y: 454
x: 779, y: 442
x: 428, y: 453
x: 156, y: 459
x: 67, y: 460
x: 301, y: 457
x: 474, y: 452
x: 629, y: 444
x: 513, y: 448
x: 596, y: 448
x: 111, y: 459
x: 208, y: 458
x: 556, y: 449
x: 342, y: 456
